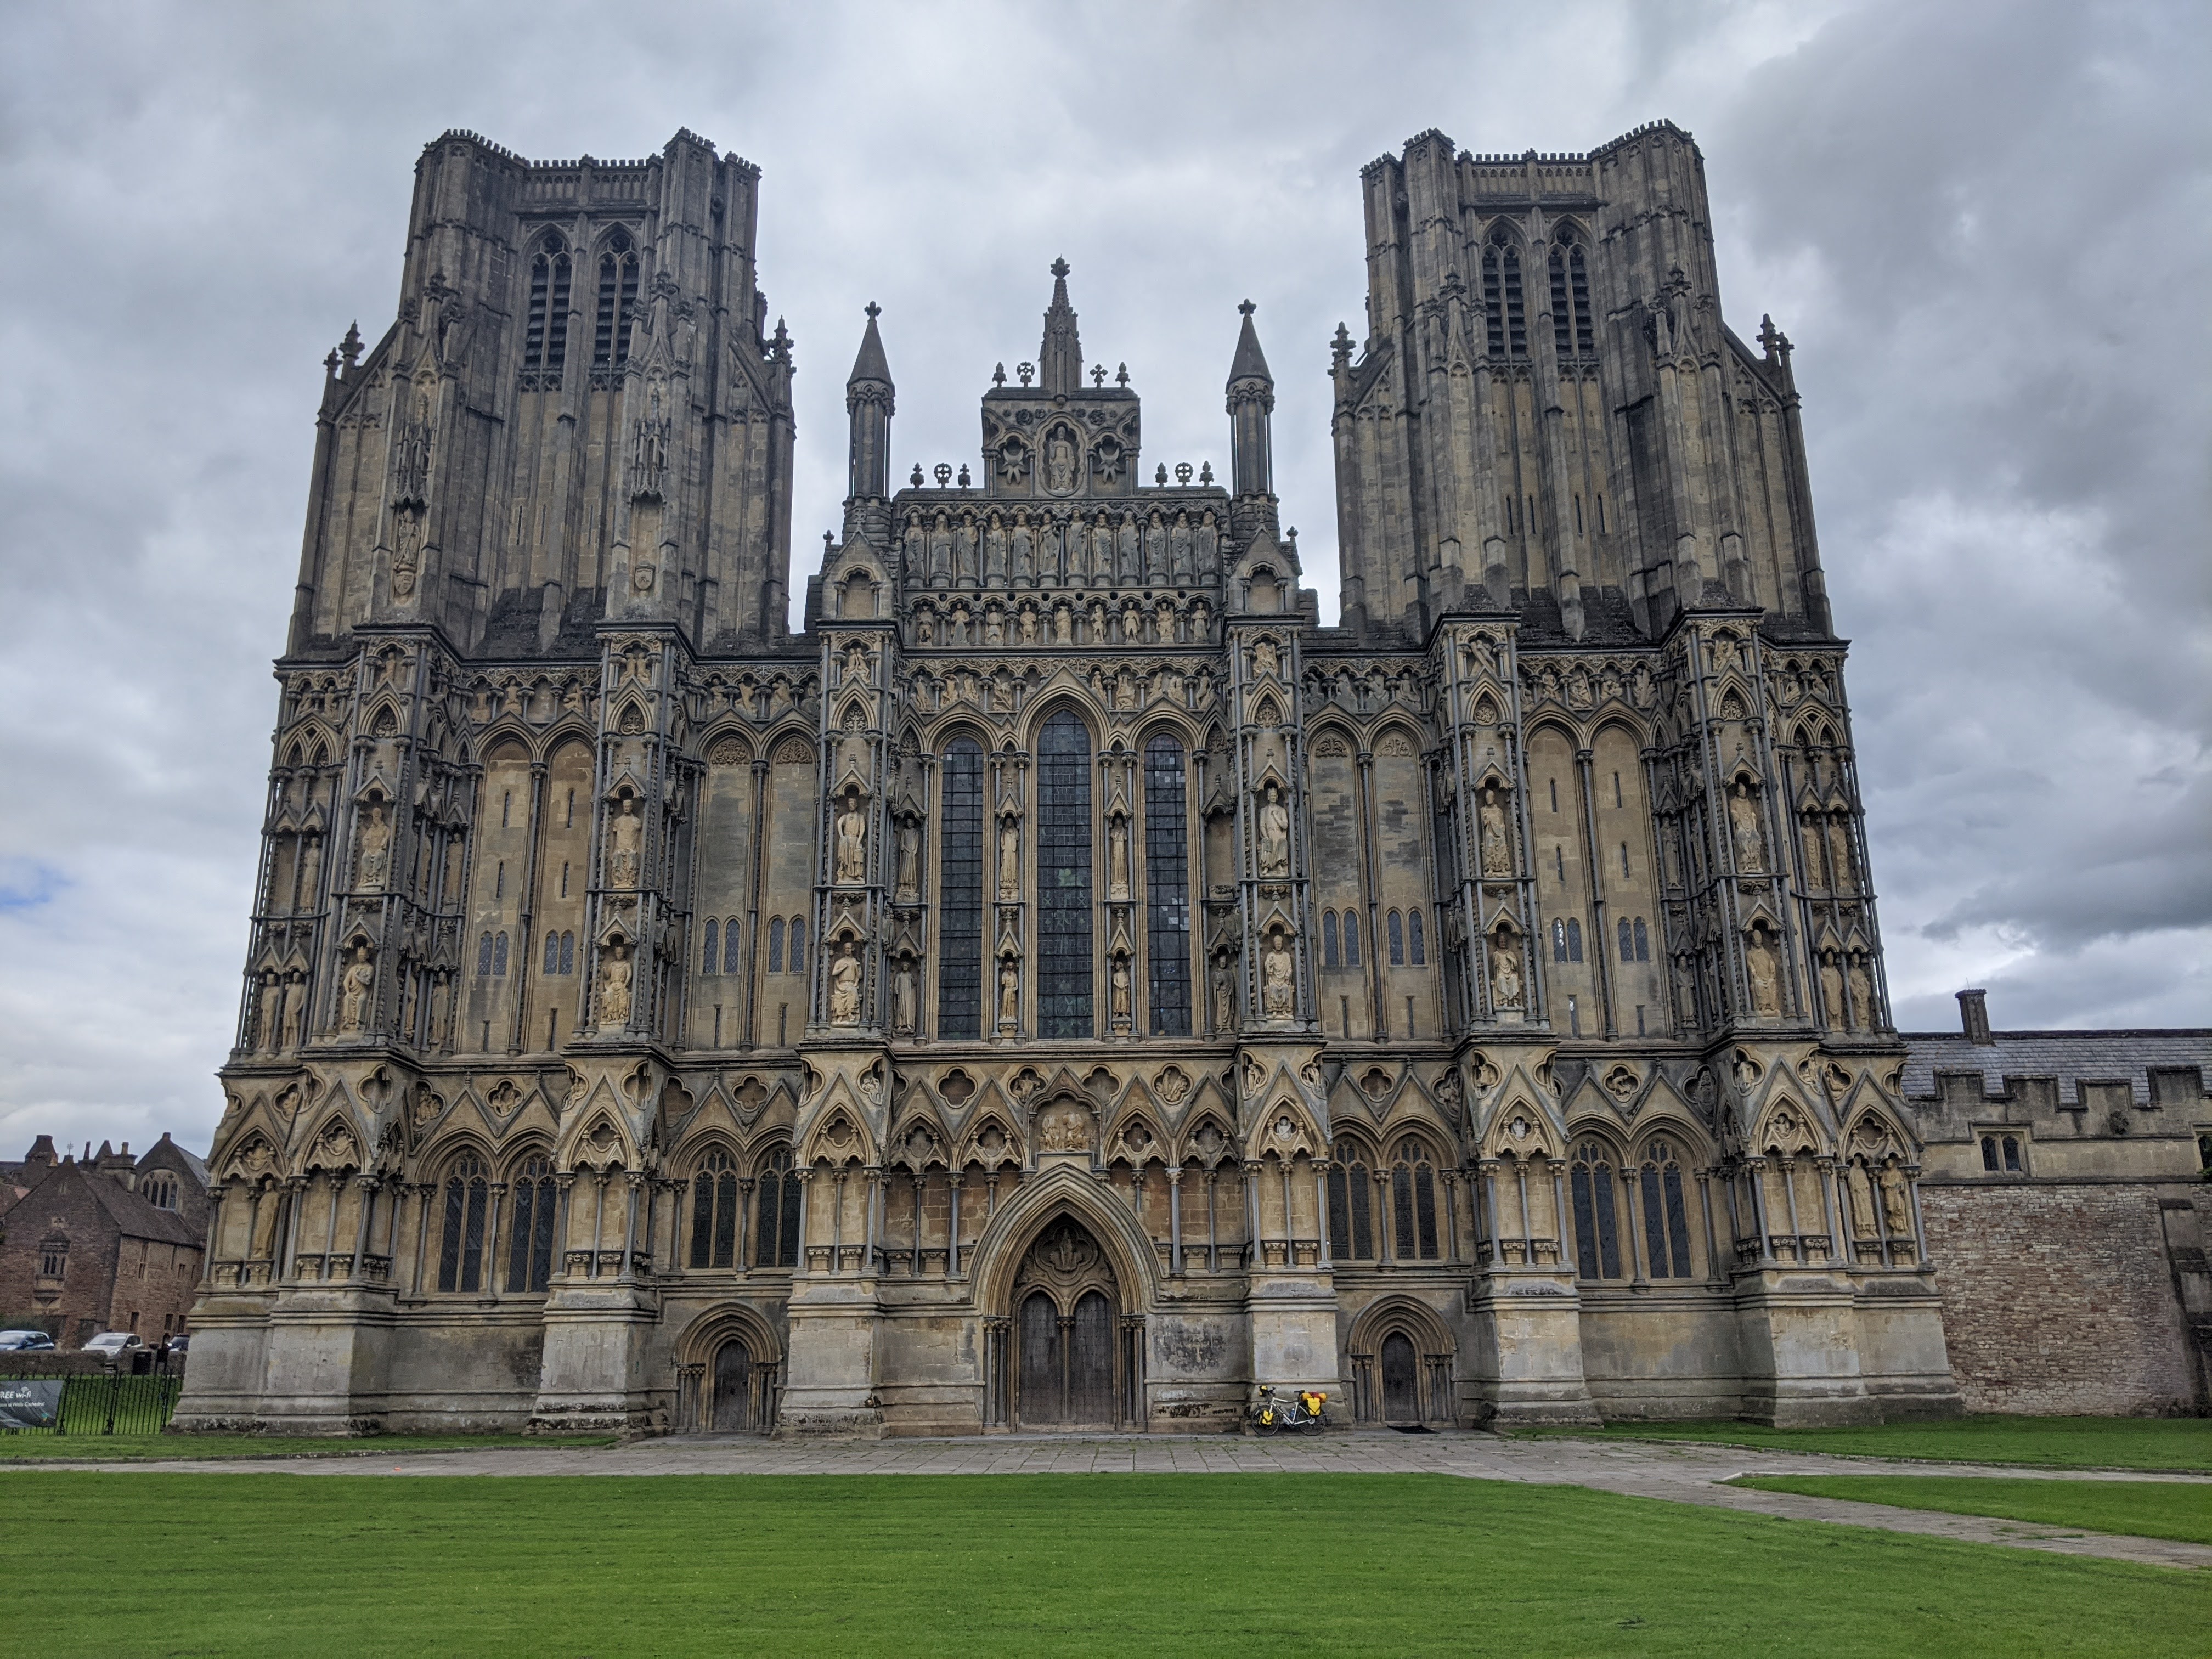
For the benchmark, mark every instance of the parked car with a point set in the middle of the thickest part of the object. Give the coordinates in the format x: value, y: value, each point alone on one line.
x: 24, y: 1341
x: 113, y: 1343
x: 177, y: 1345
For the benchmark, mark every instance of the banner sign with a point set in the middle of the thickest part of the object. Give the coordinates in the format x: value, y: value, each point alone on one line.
x: 31, y: 1402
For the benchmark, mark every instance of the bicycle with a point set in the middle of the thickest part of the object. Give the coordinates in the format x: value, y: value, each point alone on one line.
x: 1281, y: 1411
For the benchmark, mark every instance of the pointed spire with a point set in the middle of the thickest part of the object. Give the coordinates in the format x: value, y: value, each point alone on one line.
x: 1251, y: 363
x: 870, y: 368
x: 1060, y: 356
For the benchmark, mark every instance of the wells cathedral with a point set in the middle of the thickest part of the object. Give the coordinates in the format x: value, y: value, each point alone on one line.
x: 1065, y: 985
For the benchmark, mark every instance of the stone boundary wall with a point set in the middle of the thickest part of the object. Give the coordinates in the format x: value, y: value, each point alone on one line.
x: 2058, y: 1298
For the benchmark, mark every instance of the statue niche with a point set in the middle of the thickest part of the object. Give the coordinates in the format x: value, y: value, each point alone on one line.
x: 1497, y: 847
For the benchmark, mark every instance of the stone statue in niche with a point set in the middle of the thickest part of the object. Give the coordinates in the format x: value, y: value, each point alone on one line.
x: 852, y: 844
x: 1117, y: 863
x: 1896, y: 1208
x: 1839, y: 854
x: 1277, y: 994
x: 1497, y: 849
x: 272, y: 1013
x: 625, y: 843
x: 1120, y: 990
x: 375, y: 849
x: 1274, y: 834
x: 1010, y: 857
x: 614, y: 986
x: 1862, y: 1200
x: 1223, y: 983
x: 1065, y: 1128
x: 355, y: 987
x: 1058, y: 464
x: 1832, y: 991
x: 909, y: 864
x: 1063, y: 626
x: 1504, y: 973
x: 1862, y: 995
x: 1265, y: 661
x: 1743, y: 826
x: 296, y: 1011
x: 845, y: 987
x: 1762, y: 964
x: 903, y: 997
x: 1010, y: 994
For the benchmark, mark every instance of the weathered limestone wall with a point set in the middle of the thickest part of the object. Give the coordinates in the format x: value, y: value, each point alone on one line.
x: 2058, y: 1298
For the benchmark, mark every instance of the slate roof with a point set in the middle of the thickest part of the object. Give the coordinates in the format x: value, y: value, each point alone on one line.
x: 2069, y: 1057
x: 132, y: 1215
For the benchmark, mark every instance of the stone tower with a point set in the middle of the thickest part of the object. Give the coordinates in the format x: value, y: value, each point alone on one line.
x: 1063, y: 985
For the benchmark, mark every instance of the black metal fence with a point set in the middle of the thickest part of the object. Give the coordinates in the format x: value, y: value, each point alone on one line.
x: 94, y: 1403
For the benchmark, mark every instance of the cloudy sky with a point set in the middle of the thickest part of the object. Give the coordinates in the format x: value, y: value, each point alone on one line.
x: 1984, y: 225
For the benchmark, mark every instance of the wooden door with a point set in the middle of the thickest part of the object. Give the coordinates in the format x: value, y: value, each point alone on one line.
x: 733, y: 1388
x: 1091, y: 1363
x: 1402, y: 1393
x: 1041, y: 1391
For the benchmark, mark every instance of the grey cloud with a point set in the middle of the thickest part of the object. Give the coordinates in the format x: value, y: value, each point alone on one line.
x: 1983, y: 225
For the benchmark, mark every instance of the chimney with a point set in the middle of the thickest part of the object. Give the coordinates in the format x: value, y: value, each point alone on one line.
x: 1974, y: 1018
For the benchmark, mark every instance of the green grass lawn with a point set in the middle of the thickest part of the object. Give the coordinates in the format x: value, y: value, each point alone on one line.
x: 2147, y: 1508
x: 164, y: 1447
x: 1277, y: 1565
x: 2180, y: 1444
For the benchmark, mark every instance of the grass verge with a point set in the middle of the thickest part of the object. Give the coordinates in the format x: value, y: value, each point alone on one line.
x: 2176, y: 1444
x: 1271, y: 1564
x: 169, y: 1448
x: 2143, y: 1509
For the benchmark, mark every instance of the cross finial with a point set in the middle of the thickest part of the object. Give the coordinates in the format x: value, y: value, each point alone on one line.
x: 1247, y: 308
x: 1059, y: 267
x: 873, y: 310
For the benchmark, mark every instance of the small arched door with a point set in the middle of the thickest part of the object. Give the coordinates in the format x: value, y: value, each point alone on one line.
x: 731, y: 1408
x: 1065, y: 1333
x: 1401, y: 1393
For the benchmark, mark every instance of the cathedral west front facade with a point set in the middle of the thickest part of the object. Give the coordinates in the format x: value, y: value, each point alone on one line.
x: 1064, y: 985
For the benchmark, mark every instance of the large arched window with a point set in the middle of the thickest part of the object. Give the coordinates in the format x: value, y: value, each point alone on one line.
x: 776, y: 1235
x: 1573, y: 333
x: 1666, y: 1217
x: 1597, y: 1230
x: 1397, y: 941
x: 1350, y: 1204
x: 1416, y: 946
x: 1505, y: 312
x: 733, y: 959
x: 530, y: 1238
x: 710, y: 958
x: 715, y: 1212
x: 1332, y: 955
x: 461, y: 1245
x: 545, y: 331
x: 617, y: 293
x: 1167, y: 887
x: 775, y: 944
x: 1351, y: 938
x: 960, y: 903
x: 1063, y: 867
x: 798, y: 960
x: 1413, y: 1201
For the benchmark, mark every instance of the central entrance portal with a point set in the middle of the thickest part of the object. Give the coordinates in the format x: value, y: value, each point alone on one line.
x: 1065, y: 1315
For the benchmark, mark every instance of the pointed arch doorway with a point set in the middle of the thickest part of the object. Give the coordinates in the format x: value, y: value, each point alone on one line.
x: 1066, y: 1324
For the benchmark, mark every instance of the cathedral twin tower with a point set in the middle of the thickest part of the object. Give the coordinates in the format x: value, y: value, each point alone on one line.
x: 1065, y: 986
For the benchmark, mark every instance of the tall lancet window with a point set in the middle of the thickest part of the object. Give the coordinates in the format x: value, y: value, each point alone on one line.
x: 1063, y: 867
x: 1572, y: 332
x: 1507, y: 317
x: 545, y: 331
x: 1167, y: 887
x: 617, y: 293
x: 960, y: 895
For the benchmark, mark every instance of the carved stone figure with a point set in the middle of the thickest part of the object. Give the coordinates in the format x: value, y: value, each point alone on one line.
x: 1763, y: 965
x: 1743, y: 824
x: 1505, y: 975
x: 1221, y: 990
x: 1274, y: 834
x: 1063, y: 1128
x: 272, y: 1013
x: 1277, y: 995
x: 1120, y: 990
x: 1010, y: 994
x: 1059, y: 464
x: 625, y: 842
x: 1896, y: 1204
x: 1861, y: 1197
x: 909, y: 863
x: 355, y: 986
x: 852, y: 851
x: 1832, y: 991
x: 614, y: 986
x: 845, y: 987
x: 1265, y: 661
x: 375, y: 850
x: 903, y: 997
x: 1117, y: 862
x: 1497, y: 849
x: 1010, y: 857
x: 1862, y: 1009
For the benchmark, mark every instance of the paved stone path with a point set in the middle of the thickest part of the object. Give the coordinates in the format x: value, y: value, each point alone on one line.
x: 1680, y: 1473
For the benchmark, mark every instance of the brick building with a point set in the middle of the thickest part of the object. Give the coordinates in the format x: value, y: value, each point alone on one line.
x: 103, y: 1242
